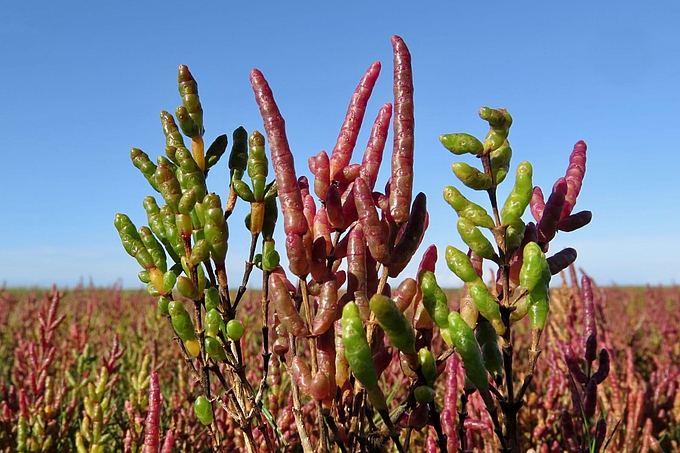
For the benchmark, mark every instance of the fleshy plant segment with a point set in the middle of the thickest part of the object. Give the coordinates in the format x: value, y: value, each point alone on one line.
x: 360, y: 345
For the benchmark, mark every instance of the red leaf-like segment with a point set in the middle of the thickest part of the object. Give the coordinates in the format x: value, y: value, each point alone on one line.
x: 283, y: 304
x: 336, y: 219
x: 589, y: 326
x: 317, y: 264
x: 282, y: 159
x: 575, y: 221
x: 574, y: 366
x: 327, y: 312
x: 153, y: 417
x: 169, y: 442
x: 282, y: 274
x: 348, y: 174
x: 370, y: 222
x: 347, y: 139
x: 537, y: 203
x: 428, y: 261
x: 301, y: 373
x: 576, y: 171
x: 325, y: 356
x: 297, y: 255
x: 403, y: 123
x: 322, y: 229
x: 308, y: 208
x: 320, y: 167
x: 349, y: 208
x: 356, y: 268
x: 603, y: 367
x: 370, y: 164
x: 561, y: 260
x: 411, y: 237
x: 404, y: 294
x: 530, y: 235
x: 547, y: 225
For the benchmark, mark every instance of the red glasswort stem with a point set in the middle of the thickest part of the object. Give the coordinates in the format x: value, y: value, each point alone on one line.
x: 320, y: 167
x: 537, y: 203
x: 589, y: 327
x: 283, y: 304
x: 322, y: 229
x: 370, y: 222
x: 370, y: 164
x: 151, y: 429
x: 328, y: 306
x: 342, y: 152
x: 547, y: 225
x: 282, y: 158
x: 401, y: 186
x: 575, y: 173
x: 575, y: 221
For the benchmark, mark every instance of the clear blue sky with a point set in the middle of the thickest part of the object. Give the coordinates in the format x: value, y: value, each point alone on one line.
x: 83, y: 82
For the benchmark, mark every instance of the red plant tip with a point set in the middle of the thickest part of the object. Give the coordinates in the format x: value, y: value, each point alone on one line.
x: 282, y: 159
x: 151, y: 428
x: 347, y: 139
x: 401, y: 184
x: 575, y: 173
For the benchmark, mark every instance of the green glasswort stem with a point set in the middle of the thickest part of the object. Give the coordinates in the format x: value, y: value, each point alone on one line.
x: 436, y: 303
x: 192, y: 174
x: 488, y: 342
x: 243, y: 190
x: 460, y: 264
x: 186, y: 123
x: 200, y: 252
x: 500, y: 162
x: 466, y: 344
x: 188, y: 89
x: 172, y: 135
x: 168, y: 184
x: 471, y: 177
x: 216, y: 150
x: 357, y: 350
x: 172, y: 235
x: 462, y: 143
x: 499, y: 126
x: 531, y: 272
x: 424, y: 394
x: 212, y: 298
x: 163, y: 303
x: 169, y: 281
x: 238, y: 157
x: 215, y: 228
x: 474, y: 239
x: 214, y: 348
x: 154, y: 248
x: 467, y: 209
x: 235, y: 329
x: 213, y: 322
x: 428, y: 365
x: 486, y: 304
x: 187, y: 288
x: 520, y: 196
x: 203, y: 410
x: 514, y: 235
x: 397, y: 328
x: 258, y: 164
x: 270, y: 257
x: 181, y: 321
x: 141, y: 160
